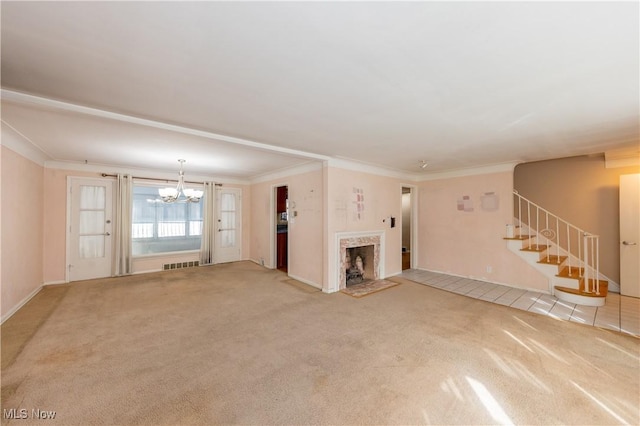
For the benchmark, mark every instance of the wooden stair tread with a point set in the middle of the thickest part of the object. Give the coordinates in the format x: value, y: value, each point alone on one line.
x: 519, y: 237
x: 604, y: 285
x: 536, y: 247
x: 603, y: 292
x: 552, y: 259
x: 576, y: 273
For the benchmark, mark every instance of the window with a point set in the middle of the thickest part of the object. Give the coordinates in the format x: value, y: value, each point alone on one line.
x: 160, y: 228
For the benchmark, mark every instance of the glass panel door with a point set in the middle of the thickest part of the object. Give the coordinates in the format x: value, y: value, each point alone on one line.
x: 229, y: 219
x: 89, y: 228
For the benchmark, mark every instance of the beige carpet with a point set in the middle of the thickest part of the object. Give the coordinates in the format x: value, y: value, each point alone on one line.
x: 238, y: 344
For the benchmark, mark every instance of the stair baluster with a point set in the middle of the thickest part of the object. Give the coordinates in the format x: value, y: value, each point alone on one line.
x: 558, y: 239
x: 569, y: 246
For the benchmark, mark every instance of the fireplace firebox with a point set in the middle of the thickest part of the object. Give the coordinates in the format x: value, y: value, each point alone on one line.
x: 359, y: 263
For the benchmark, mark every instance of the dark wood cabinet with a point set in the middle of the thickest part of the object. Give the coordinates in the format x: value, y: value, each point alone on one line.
x: 281, y: 258
x: 282, y: 195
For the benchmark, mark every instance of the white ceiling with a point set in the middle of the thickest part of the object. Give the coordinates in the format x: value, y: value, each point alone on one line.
x: 241, y: 89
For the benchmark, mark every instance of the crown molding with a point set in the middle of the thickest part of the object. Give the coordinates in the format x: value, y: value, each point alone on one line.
x: 33, y: 152
x: 311, y: 166
x: 19, y: 143
x: 471, y: 171
x: 141, y: 173
x: 24, y: 98
x: 622, y: 158
x: 421, y: 177
x: 355, y: 166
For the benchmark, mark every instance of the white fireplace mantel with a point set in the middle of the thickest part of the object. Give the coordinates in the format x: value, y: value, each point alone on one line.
x: 345, y: 240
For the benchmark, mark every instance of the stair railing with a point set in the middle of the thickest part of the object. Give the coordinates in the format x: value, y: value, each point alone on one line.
x: 584, y: 243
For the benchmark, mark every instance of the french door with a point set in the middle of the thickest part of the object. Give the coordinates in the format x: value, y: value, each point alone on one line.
x: 89, y: 228
x: 228, y: 239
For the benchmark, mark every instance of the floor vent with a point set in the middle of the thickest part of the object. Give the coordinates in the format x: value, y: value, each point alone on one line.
x: 180, y: 265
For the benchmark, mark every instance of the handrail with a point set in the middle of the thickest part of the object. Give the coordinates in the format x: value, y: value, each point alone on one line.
x: 588, y: 266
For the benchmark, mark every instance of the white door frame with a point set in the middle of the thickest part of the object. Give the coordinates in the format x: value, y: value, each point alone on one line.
x: 70, y: 182
x: 273, y: 223
x: 414, y: 223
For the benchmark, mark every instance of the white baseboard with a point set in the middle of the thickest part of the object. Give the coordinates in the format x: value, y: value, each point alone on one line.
x: 304, y: 281
x: 58, y: 282
x: 20, y: 305
x: 260, y: 263
x: 146, y: 271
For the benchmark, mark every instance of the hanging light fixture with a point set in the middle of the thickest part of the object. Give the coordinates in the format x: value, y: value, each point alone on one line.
x: 180, y: 194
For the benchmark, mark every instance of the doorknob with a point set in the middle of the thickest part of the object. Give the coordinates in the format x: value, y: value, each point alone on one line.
x: 107, y: 234
x: 628, y: 243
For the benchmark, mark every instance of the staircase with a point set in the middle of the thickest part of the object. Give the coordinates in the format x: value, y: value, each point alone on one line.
x: 564, y: 253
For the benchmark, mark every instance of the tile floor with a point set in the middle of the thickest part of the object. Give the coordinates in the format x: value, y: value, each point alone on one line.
x: 620, y: 313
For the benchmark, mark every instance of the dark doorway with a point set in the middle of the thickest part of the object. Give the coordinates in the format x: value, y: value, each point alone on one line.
x: 282, y: 228
x: 406, y: 227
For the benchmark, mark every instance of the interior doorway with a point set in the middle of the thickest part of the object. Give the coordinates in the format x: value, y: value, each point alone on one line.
x: 407, y: 231
x: 282, y: 227
x: 630, y: 235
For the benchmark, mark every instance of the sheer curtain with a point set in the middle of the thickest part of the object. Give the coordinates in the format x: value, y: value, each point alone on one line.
x: 122, y: 264
x: 208, y: 224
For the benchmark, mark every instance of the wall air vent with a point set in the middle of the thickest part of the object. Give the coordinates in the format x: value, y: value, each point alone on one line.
x: 180, y: 265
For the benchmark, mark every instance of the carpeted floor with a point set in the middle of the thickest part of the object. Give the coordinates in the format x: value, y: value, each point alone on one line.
x: 239, y: 344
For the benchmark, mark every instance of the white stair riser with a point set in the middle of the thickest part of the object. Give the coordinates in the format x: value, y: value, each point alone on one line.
x: 565, y: 282
x: 580, y: 300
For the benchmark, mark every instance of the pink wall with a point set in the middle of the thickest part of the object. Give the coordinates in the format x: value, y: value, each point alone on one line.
x: 261, y: 226
x: 468, y: 243
x: 22, y: 229
x: 246, y: 220
x: 382, y: 199
x: 305, y: 231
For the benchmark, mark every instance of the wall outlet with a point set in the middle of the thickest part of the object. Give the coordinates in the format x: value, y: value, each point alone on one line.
x: 489, y: 269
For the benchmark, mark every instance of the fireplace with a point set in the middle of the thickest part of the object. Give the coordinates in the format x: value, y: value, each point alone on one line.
x: 360, y: 257
x: 359, y: 264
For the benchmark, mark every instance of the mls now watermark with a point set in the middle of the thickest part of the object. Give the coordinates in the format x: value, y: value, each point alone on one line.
x: 23, y: 414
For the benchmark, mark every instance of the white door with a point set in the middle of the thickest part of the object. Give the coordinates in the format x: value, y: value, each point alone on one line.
x: 89, y: 228
x: 630, y: 235
x: 229, y: 221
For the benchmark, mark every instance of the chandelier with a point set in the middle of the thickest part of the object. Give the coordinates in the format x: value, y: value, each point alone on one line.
x: 180, y: 194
